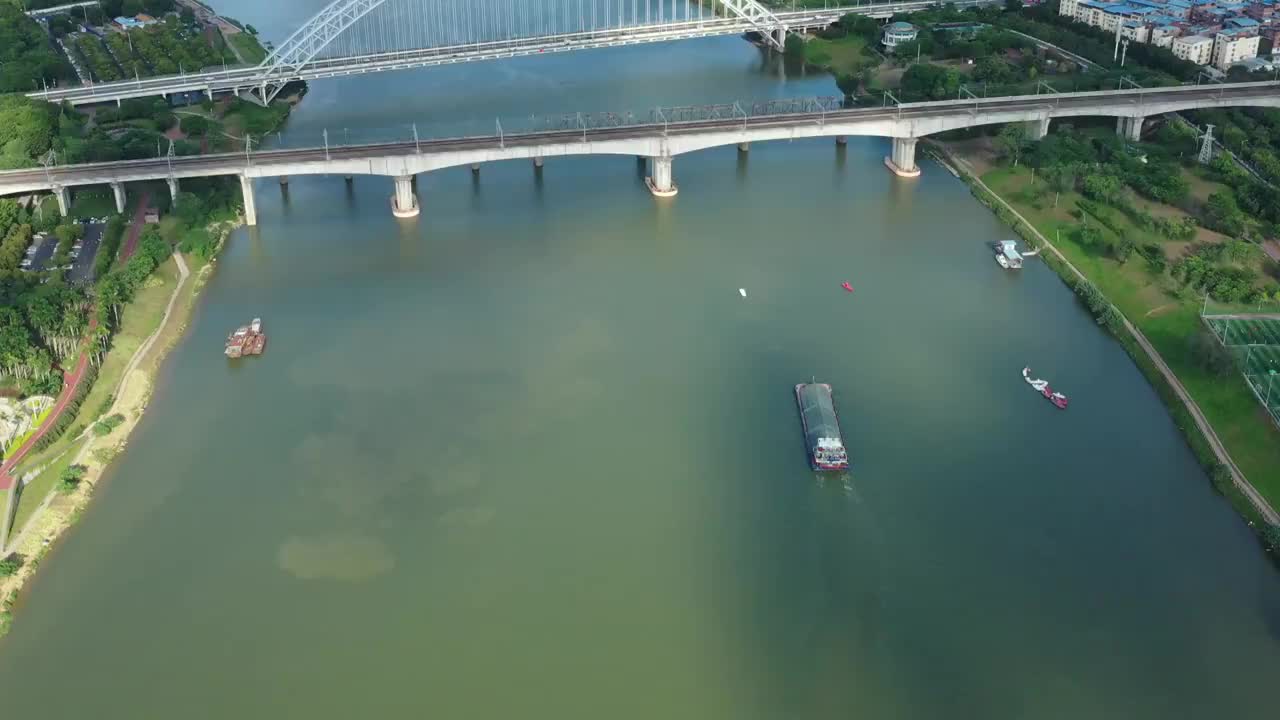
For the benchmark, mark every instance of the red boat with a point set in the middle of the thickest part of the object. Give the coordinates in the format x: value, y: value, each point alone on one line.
x: 1056, y: 398
x: 846, y: 286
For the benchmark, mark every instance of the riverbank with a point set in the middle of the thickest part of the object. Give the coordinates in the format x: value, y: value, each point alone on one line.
x: 49, y: 512
x: 1256, y: 505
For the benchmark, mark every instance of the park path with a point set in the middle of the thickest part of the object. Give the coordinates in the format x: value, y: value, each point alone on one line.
x: 83, y: 451
x: 135, y: 228
x: 1219, y: 450
x: 71, y: 381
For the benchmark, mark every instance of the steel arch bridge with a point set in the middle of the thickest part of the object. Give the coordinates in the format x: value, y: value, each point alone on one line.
x: 420, y: 22
x: 352, y: 37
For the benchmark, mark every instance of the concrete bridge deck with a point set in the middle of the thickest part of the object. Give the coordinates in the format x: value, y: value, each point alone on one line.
x: 661, y: 141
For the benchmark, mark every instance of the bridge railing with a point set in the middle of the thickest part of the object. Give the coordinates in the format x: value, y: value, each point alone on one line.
x: 436, y: 129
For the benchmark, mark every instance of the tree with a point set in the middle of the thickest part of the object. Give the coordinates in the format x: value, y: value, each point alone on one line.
x: 993, y: 70
x: 1221, y: 213
x: 10, y: 565
x: 794, y: 47
x: 848, y: 85
x: 922, y: 80
x: 1103, y: 188
x: 131, y: 8
x: 1210, y: 355
x: 1012, y: 141
x: 69, y: 479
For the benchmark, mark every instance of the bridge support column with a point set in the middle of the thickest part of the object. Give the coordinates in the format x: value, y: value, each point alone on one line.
x: 1039, y: 128
x: 250, y: 208
x: 284, y: 179
x: 64, y: 200
x: 781, y: 36
x: 744, y: 147
x: 537, y: 161
x: 660, y: 182
x: 118, y: 190
x: 173, y: 190
x: 903, y: 160
x: 1130, y: 128
x: 404, y: 204
x: 842, y: 140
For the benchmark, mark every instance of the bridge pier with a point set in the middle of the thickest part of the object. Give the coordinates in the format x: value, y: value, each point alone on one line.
x: 660, y: 182
x: 64, y: 200
x: 117, y: 189
x: 1039, y: 128
x: 842, y: 140
x: 537, y: 161
x: 404, y: 204
x: 250, y: 209
x: 903, y: 160
x: 744, y: 147
x: 1130, y: 128
x: 173, y: 190
x: 284, y: 179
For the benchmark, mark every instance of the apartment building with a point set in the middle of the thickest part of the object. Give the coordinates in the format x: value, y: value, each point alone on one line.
x: 1195, y: 48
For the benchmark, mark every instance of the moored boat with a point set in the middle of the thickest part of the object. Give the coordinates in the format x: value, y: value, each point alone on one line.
x: 823, y: 441
x: 246, y: 340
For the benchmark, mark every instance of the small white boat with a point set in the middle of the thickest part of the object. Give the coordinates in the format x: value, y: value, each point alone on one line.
x: 1004, y: 262
x: 742, y: 292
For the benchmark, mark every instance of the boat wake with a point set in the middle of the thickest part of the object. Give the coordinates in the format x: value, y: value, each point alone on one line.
x: 1042, y: 387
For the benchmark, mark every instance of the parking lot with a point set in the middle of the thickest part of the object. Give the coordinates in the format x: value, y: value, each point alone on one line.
x: 82, y: 265
x: 40, y: 253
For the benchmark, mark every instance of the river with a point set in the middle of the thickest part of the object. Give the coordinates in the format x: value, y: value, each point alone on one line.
x: 531, y: 455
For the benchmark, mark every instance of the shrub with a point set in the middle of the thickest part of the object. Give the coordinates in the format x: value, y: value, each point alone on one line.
x: 1271, y: 537
x: 1220, y: 475
x: 70, y: 478
x: 10, y: 565
x: 107, y: 424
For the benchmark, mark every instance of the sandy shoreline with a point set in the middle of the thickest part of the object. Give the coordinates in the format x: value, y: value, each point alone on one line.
x: 59, y: 511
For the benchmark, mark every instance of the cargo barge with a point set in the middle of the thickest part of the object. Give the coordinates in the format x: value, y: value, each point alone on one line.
x: 822, y: 437
x: 246, y: 340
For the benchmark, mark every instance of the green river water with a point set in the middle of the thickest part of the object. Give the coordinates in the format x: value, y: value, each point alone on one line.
x: 532, y: 455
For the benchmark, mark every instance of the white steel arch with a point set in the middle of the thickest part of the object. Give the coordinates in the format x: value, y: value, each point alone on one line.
x: 301, y: 47
x: 761, y: 17
x: 307, y: 41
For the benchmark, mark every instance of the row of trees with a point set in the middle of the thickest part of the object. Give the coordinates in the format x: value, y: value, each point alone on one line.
x: 1045, y: 23
x: 26, y: 55
x: 170, y: 47
x: 100, y: 64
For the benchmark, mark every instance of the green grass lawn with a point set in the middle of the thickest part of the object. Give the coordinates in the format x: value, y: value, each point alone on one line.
x: 1168, y: 321
x: 248, y: 47
x: 843, y: 56
x: 36, y: 491
x: 93, y: 202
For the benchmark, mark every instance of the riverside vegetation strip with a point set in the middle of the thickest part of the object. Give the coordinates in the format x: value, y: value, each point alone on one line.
x: 135, y: 308
x: 1142, y: 287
